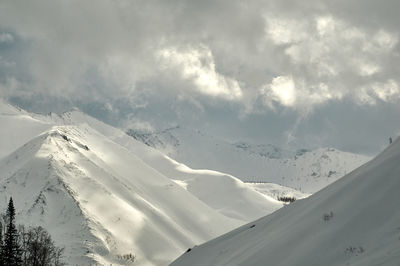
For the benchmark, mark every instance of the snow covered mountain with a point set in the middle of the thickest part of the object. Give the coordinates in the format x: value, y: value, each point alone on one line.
x: 17, y: 127
x: 354, y: 221
x: 102, y: 194
x: 112, y: 202
x: 207, y: 185
x: 305, y: 170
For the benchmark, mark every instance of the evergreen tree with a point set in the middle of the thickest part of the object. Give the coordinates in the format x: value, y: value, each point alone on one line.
x: 11, y: 251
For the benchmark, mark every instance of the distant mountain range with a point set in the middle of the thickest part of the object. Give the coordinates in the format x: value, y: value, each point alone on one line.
x: 303, y: 169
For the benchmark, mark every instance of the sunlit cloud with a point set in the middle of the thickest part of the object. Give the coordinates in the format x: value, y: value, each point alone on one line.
x: 198, y: 65
x: 285, y: 91
x: 282, y: 89
x: 328, y: 58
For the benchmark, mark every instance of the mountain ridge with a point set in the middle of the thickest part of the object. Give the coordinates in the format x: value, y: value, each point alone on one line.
x: 303, y: 169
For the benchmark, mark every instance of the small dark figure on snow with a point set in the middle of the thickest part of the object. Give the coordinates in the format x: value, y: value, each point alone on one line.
x: 390, y: 140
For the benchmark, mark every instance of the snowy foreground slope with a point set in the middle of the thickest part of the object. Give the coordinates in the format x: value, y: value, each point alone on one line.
x: 305, y: 170
x: 101, y: 194
x: 355, y: 221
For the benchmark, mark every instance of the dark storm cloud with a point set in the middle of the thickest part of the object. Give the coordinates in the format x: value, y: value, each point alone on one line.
x: 268, y: 66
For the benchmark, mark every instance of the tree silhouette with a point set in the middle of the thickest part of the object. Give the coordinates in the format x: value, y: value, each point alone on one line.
x: 30, y: 246
x: 11, y: 251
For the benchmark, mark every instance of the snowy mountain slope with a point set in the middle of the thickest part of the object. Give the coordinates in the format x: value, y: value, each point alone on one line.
x: 354, y: 221
x: 102, y: 194
x: 41, y: 198
x: 17, y: 127
x: 239, y: 200
x: 20, y: 126
x: 96, y: 197
x: 304, y: 170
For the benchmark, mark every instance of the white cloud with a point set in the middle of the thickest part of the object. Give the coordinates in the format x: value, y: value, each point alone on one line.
x: 301, y: 56
x: 388, y: 91
x: 385, y: 40
x: 367, y: 69
x: 285, y: 31
x: 198, y: 66
x: 282, y: 89
x: 329, y: 59
x: 328, y: 41
x: 285, y: 91
x: 325, y: 25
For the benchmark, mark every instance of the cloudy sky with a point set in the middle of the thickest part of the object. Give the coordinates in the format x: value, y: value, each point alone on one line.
x: 290, y: 72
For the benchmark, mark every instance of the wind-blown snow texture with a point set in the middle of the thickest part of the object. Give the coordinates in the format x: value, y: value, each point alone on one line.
x: 355, y: 221
x: 101, y: 194
x: 305, y: 170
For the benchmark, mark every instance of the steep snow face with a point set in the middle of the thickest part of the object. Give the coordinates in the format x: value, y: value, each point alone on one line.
x: 304, y: 170
x: 101, y: 201
x: 354, y: 221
